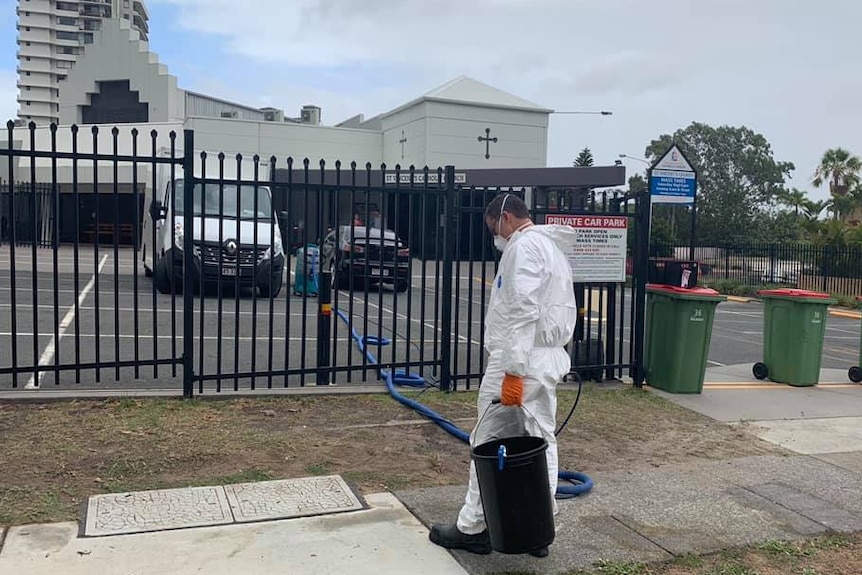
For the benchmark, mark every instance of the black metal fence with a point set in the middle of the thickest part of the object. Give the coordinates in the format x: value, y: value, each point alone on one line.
x: 832, y: 269
x: 260, y: 273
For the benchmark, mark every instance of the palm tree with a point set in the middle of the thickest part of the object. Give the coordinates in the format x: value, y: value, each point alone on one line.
x: 793, y: 198
x: 813, y: 209
x: 841, y: 170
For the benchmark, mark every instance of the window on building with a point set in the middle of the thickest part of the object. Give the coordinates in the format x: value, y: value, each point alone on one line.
x: 63, y: 35
x: 67, y: 6
x: 66, y: 21
x: 88, y: 38
x: 28, y: 103
x: 28, y: 58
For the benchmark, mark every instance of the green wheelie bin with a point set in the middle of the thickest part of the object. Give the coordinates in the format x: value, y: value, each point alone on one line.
x: 794, y: 324
x: 855, y: 372
x: 678, y: 332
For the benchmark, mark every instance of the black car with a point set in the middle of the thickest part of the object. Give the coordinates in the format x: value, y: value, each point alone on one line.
x: 362, y: 256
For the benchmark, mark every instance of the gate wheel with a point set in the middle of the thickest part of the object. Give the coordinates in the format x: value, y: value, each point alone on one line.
x: 855, y: 374
x: 760, y: 370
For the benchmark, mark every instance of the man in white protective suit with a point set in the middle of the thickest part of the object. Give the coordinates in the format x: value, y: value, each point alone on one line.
x: 530, y: 319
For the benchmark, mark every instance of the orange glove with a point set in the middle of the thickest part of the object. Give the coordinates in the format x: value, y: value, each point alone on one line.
x: 513, y: 390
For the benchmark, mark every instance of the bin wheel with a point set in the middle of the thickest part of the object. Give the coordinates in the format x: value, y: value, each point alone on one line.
x: 760, y: 370
x: 855, y: 374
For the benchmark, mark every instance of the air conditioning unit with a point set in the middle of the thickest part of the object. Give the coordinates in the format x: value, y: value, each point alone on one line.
x: 310, y: 115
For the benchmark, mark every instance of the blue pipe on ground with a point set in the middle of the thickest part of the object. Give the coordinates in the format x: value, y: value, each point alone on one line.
x: 577, y: 483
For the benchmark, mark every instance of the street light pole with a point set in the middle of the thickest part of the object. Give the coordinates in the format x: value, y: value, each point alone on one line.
x: 587, y: 113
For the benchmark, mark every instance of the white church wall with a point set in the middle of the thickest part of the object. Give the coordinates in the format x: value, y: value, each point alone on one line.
x: 454, y: 131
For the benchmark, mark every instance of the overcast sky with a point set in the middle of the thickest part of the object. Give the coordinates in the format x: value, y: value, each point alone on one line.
x: 790, y: 69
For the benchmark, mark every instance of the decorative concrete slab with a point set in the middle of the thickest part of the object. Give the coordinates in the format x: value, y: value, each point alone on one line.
x: 287, y: 498
x: 140, y: 512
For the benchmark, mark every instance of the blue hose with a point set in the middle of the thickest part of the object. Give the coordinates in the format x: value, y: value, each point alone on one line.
x: 578, y: 483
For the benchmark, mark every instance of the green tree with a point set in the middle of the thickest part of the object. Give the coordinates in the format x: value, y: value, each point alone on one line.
x: 584, y: 159
x: 794, y: 199
x: 738, y: 178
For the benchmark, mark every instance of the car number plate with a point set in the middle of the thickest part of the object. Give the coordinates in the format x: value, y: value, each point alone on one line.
x: 379, y: 272
x: 228, y: 271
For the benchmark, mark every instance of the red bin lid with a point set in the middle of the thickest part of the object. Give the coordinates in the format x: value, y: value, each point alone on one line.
x: 789, y: 292
x: 681, y: 290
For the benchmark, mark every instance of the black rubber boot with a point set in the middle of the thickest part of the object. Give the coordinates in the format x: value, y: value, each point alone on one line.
x: 450, y: 537
x: 540, y: 552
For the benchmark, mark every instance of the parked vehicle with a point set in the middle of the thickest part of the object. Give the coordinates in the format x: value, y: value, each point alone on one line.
x: 233, y: 243
x: 368, y: 255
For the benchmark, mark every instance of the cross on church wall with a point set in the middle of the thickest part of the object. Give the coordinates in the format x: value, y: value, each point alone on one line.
x: 402, y: 141
x: 488, y: 139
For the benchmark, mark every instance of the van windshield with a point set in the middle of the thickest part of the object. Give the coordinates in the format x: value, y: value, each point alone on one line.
x: 237, y: 202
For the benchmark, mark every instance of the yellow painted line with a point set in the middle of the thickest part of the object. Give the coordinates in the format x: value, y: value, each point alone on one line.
x: 738, y: 299
x: 845, y: 314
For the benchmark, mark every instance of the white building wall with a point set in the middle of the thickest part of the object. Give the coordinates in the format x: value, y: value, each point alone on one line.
x: 208, y: 107
x: 103, y: 144
x: 410, y: 124
x: 285, y: 140
x: 454, y: 131
x: 118, y: 55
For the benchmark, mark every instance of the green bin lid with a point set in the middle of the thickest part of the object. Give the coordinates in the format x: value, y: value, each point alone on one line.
x: 789, y: 292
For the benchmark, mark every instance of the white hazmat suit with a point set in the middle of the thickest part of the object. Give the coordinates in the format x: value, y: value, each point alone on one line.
x: 530, y: 319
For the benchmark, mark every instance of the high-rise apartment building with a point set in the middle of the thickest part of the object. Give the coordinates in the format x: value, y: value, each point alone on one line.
x: 52, y: 34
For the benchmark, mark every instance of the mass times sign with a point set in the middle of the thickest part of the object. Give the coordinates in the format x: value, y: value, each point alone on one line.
x: 599, y: 253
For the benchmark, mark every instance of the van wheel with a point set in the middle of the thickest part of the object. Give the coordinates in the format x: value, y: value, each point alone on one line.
x: 272, y: 290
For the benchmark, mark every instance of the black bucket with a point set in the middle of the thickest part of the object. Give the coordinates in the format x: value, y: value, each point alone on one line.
x: 516, y: 495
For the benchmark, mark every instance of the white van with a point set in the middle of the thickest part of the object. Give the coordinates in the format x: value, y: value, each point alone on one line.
x: 226, y: 248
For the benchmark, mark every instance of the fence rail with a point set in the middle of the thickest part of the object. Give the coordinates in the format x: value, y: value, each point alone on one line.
x: 833, y: 269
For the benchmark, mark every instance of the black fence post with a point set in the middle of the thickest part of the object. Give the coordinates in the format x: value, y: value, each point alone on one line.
x: 188, y: 254
x: 641, y: 266
x: 449, y: 232
x: 324, y: 290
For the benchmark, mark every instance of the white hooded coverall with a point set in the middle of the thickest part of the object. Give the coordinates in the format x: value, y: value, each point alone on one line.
x: 530, y: 319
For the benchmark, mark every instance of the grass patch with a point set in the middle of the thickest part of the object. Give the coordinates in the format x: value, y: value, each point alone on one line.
x: 76, y: 449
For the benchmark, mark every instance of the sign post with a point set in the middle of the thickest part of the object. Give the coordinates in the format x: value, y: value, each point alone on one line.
x: 672, y: 180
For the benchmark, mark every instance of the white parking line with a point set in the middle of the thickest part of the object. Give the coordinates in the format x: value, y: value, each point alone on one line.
x: 48, y: 354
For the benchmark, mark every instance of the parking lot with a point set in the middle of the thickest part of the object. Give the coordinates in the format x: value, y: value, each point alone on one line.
x: 90, y: 322
x: 240, y: 340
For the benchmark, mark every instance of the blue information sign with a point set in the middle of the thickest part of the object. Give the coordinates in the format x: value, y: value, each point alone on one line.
x: 672, y: 187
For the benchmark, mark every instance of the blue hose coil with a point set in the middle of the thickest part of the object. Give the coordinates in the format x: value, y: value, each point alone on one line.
x: 578, y: 483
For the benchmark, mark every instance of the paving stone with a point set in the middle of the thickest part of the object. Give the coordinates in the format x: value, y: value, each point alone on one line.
x: 121, y: 513
x: 810, y: 505
x: 288, y: 498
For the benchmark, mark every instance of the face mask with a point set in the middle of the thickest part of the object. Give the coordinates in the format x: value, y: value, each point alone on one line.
x: 500, y: 243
